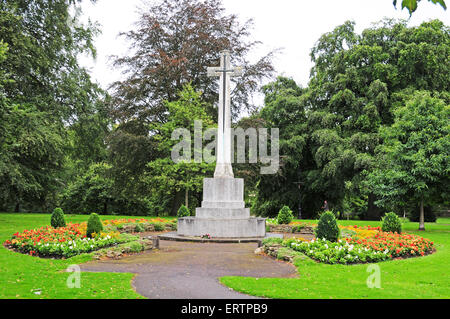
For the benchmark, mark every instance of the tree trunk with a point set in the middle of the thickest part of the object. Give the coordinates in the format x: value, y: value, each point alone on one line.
x: 421, y: 217
x: 177, y: 202
x: 186, y: 198
x: 105, y: 207
x: 17, y: 208
x: 373, y: 212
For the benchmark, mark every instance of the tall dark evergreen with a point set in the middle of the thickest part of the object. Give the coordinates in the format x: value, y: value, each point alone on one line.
x: 46, y: 93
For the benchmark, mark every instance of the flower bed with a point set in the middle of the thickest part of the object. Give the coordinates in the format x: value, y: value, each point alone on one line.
x: 61, y: 242
x: 395, y: 245
x: 122, y: 221
x: 72, y: 240
x: 361, y: 245
x: 340, y: 252
x: 141, y: 224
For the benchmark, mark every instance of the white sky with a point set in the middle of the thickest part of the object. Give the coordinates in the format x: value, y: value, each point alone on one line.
x: 294, y: 25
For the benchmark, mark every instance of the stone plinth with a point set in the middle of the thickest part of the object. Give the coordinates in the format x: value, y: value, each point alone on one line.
x: 223, y: 213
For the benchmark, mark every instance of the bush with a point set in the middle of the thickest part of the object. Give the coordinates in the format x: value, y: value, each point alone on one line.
x: 327, y: 227
x: 285, y: 216
x: 139, y: 228
x: 183, y: 211
x: 159, y: 226
x: 94, y: 225
x: 391, y: 223
x: 57, y: 219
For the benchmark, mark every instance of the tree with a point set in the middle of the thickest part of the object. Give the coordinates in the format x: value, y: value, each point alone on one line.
x: 46, y: 92
x: 91, y: 192
x: 283, y: 109
x: 174, y: 42
x: 411, y: 5
x: 356, y: 82
x: 415, y: 155
x: 42, y: 59
x: 166, y: 178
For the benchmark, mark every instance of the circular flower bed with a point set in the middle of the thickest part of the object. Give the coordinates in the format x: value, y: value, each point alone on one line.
x: 361, y: 245
x: 61, y: 242
x: 72, y: 240
x: 378, y: 247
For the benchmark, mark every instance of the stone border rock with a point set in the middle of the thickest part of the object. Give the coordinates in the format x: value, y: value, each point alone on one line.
x: 280, y: 252
x: 121, y: 250
x: 148, y: 227
x: 296, y: 229
x: 175, y: 237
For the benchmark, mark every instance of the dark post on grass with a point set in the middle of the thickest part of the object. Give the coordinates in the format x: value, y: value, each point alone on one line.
x: 155, y: 240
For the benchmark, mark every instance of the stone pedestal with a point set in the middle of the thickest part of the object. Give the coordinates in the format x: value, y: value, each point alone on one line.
x: 223, y: 213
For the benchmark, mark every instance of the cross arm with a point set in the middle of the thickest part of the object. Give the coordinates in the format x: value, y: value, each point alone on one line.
x: 213, y: 71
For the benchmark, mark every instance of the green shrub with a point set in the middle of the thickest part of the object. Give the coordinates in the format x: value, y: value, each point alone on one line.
x: 285, y: 216
x: 297, y: 228
x: 391, y: 223
x: 136, y: 247
x: 94, y: 225
x: 327, y: 227
x: 159, y: 226
x: 272, y: 240
x: 139, y: 228
x: 57, y: 219
x: 183, y: 211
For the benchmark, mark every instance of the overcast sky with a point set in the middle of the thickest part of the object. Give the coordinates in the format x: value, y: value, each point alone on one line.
x: 294, y: 25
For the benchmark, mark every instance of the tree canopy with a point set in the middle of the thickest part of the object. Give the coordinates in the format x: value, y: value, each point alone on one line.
x: 368, y: 134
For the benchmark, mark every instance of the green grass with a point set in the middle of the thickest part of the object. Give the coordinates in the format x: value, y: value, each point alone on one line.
x: 421, y: 277
x: 424, y: 277
x: 21, y: 275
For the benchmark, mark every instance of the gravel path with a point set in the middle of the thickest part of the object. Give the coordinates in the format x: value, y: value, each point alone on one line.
x: 184, y: 270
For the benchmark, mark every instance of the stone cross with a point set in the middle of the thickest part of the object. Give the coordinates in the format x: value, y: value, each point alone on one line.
x: 223, y: 149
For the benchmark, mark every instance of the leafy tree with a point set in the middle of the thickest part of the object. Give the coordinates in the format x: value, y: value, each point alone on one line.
x: 42, y: 59
x: 415, y: 154
x: 330, y: 130
x: 411, y: 5
x: 356, y: 82
x: 283, y: 109
x: 130, y: 148
x: 164, y: 177
x: 174, y: 42
x: 91, y: 191
x: 46, y: 92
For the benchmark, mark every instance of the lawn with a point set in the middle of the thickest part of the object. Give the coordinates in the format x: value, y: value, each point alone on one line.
x: 421, y: 277
x: 22, y: 275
